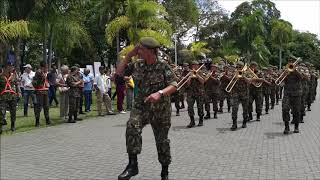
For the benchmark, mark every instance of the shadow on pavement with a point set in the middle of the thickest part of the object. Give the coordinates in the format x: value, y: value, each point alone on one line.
x: 272, y: 135
x: 278, y: 123
x: 223, y: 130
x: 178, y: 128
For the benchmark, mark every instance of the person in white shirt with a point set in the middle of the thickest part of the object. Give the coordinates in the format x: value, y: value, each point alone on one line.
x: 63, y: 91
x: 101, y: 88
x: 26, y: 82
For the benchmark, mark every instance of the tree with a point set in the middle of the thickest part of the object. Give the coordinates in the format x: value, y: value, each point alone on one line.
x: 281, y: 34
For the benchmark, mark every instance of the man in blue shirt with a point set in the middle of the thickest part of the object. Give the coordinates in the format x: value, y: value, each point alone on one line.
x: 87, y: 89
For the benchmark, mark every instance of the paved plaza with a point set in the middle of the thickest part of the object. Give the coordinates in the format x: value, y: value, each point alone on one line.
x: 95, y: 149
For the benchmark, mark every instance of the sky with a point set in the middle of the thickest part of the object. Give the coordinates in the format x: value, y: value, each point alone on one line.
x: 304, y: 15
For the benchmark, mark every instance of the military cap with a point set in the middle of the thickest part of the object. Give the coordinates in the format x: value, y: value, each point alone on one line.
x: 149, y: 42
x: 185, y: 64
x: 254, y: 63
x: 73, y: 68
x: 194, y: 63
x: 264, y: 68
x: 213, y: 65
x: 240, y: 63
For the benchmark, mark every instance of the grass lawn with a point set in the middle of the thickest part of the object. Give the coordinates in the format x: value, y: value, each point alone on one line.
x: 27, y: 123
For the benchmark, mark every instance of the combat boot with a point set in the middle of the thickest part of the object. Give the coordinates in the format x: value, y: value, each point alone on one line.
x: 131, y: 169
x: 244, y: 123
x: 207, y: 115
x: 258, y: 116
x: 192, y: 123
x: 286, y: 128
x: 267, y: 111
x: 182, y: 106
x: 229, y: 109
x: 250, y: 117
x: 13, y: 127
x: 164, y: 173
x: 48, y: 122
x: 177, y: 112
x: 215, y: 115
x: 76, y: 117
x: 200, y: 121
x: 220, y: 110
x: 37, y: 122
x: 309, y: 109
x: 234, y: 125
x: 70, y: 120
x: 296, y: 128
x: 301, y: 121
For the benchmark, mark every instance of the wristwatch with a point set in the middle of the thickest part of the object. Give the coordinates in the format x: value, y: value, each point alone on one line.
x: 161, y: 92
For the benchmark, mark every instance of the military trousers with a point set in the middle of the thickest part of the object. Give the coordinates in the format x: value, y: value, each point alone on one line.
x: 235, y: 102
x: 103, y: 99
x: 224, y: 95
x: 64, y: 103
x: 267, y: 98
x: 256, y: 97
x: 11, y: 105
x: 42, y: 102
x: 212, y: 98
x: 74, y: 103
x: 273, y: 97
x: 293, y: 103
x: 160, y: 123
x: 176, y: 98
x: 191, y: 100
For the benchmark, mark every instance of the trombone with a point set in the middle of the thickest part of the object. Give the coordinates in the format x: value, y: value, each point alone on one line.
x: 253, y: 75
x: 185, y: 79
x: 290, y: 67
x: 238, y: 74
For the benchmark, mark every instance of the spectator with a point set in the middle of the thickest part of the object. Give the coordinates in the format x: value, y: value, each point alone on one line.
x: 129, y: 91
x: 102, y: 92
x: 28, y: 89
x: 109, y: 82
x: 63, y: 90
x: 120, y: 91
x: 52, y: 78
x: 87, y: 89
x: 80, y: 74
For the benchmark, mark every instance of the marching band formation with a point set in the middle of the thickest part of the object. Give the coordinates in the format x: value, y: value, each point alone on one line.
x: 209, y: 85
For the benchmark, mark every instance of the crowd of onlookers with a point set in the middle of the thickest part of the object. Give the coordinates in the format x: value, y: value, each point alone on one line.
x: 100, y: 85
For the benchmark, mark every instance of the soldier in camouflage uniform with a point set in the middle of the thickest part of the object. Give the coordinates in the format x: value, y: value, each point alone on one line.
x: 212, y: 89
x: 41, y: 85
x: 74, y: 82
x: 156, y: 82
x: 255, y: 94
x: 177, y: 95
x: 195, y: 93
x: 9, y: 90
x: 225, y: 79
x: 267, y: 88
x: 240, y: 94
x: 273, y: 87
x: 292, y: 99
x: 305, y: 92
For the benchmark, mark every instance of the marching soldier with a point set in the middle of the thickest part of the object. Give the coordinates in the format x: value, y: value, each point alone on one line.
x: 224, y: 81
x: 305, y: 92
x: 267, y: 88
x: 177, y: 95
x: 255, y: 94
x: 292, y: 99
x: 240, y: 94
x: 156, y: 82
x: 212, y: 87
x: 195, y: 93
x: 41, y: 86
x: 273, y: 86
x: 9, y: 90
x: 74, y: 82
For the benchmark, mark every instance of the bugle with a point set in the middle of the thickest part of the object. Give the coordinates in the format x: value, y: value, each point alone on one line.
x: 238, y: 74
x: 185, y: 79
x: 290, y: 67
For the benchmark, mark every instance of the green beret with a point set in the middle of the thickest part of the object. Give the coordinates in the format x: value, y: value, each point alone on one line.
x: 194, y: 63
x: 254, y: 63
x: 240, y: 63
x: 149, y: 42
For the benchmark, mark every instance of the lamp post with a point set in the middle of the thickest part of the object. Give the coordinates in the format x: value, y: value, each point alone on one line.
x: 175, y: 50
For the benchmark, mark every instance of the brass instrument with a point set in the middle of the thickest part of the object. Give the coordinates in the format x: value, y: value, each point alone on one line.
x: 253, y: 75
x: 238, y: 74
x: 185, y: 79
x: 290, y: 67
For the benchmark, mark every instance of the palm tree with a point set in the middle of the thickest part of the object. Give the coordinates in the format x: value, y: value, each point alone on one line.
x: 281, y: 34
x: 142, y: 18
x: 198, y: 48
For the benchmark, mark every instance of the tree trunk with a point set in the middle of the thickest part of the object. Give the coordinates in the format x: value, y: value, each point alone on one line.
x: 2, y: 53
x: 50, y: 46
x: 280, y: 58
x: 17, y: 50
x: 44, y: 41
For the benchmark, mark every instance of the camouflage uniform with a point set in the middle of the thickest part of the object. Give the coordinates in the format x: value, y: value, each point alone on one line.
x: 74, y: 95
x: 292, y: 97
x: 212, y: 89
x: 223, y: 93
x: 8, y: 100
x: 273, y: 89
x: 178, y: 95
x: 150, y: 79
x: 267, y: 92
x: 40, y: 83
x: 195, y: 93
x: 305, y: 92
x: 256, y: 94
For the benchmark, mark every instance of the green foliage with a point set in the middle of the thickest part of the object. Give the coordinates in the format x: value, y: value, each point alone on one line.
x: 13, y: 29
x: 199, y: 48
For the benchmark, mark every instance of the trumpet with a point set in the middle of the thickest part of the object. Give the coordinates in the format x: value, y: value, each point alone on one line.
x: 185, y: 79
x: 290, y: 67
x: 238, y: 74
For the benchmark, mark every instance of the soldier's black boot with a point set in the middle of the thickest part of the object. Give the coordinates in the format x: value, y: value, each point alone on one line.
x: 250, y: 117
x: 234, y: 125
x: 182, y: 106
x: 192, y: 123
x: 131, y: 169
x: 244, y: 123
x: 13, y: 127
x: 267, y: 111
x: 258, y: 116
x: 296, y: 128
x: 309, y: 109
x: 215, y: 115
x: 164, y: 173
x: 177, y: 112
x: 48, y: 122
x: 220, y: 110
x: 229, y: 109
x: 70, y: 120
x: 207, y: 115
x: 37, y: 122
x: 200, y: 121
x: 286, y: 128
x: 301, y: 121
